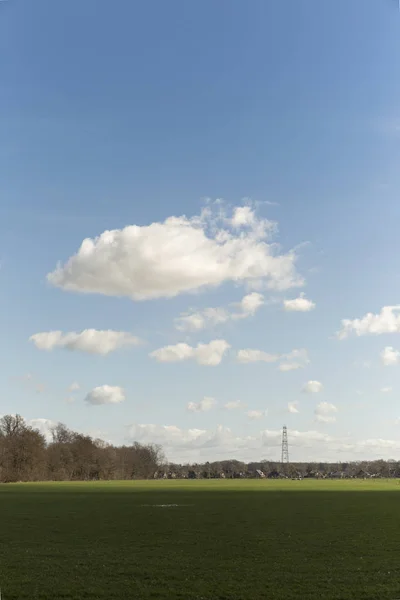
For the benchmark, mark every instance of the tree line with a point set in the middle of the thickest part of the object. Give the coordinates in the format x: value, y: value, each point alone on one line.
x: 26, y: 455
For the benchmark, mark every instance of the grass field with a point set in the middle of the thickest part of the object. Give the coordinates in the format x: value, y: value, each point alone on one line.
x: 236, y: 540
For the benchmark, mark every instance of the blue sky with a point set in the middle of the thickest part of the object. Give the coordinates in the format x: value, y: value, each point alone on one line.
x: 123, y: 114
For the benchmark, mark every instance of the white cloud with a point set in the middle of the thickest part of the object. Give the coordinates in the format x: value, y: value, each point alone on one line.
x: 74, y: 387
x: 235, y: 404
x: 300, y: 304
x: 387, y: 321
x: 44, y: 426
x: 248, y: 356
x: 386, y: 390
x: 256, y: 414
x: 106, y: 394
x: 290, y: 366
x: 204, y: 405
x: 196, y: 321
x: 296, y: 359
x: 92, y: 341
x: 179, y: 255
x: 325, y: 412
x: 210, y: 354
x: 209, y: 317
x: 312, y: 387
x: 390, y: 356
x: 243, y: 216
x: 292, y: 407
x: 249, y: 305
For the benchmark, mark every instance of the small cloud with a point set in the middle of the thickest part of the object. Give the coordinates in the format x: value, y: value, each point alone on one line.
x: 210, y: 317
x: 234, y: 405
x: 386, y: 390
x: 390, y: 356
x: 105, y: 394
x: 300, y: 304
x: 312, y: 387
x: 248, y: 356
x: 92, y: 341
x: 325, y: 412
x: 292, y: 407
x: 210, y: 354
x: 70, y: 400
x: 203, y: 406
x: 74, y: 387
x: 257, y: 414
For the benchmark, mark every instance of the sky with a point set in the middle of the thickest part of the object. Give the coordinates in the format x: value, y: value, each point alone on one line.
x: 199, y: 224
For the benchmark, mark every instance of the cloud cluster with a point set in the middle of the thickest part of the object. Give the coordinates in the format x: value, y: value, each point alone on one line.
x: 210, y: 354
x: 210, y: 317
x: 92, y: 341
x: 222, y: 443
x: 387, y: 321
x: 300, y: 304
x: 206, y: 404
x: 105, y: 394
x: 179, y: 255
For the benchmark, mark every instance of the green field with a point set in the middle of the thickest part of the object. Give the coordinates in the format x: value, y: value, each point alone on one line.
x: 225, y: 540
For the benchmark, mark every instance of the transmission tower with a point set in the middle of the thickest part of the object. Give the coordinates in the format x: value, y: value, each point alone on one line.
x: 285, y: 446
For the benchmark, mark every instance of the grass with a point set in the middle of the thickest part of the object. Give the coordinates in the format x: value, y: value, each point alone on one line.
x: 236, y: 540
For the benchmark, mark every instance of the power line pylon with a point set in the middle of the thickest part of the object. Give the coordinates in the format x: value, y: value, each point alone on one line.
x: 285, y: 446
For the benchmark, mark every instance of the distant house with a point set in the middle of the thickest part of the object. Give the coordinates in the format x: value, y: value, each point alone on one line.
x: 274, y: 475
x: 336, y: 475
x: 363, y: 474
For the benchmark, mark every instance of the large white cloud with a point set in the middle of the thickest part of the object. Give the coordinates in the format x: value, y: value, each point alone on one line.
x: 390, y: 356
x: 206, y: 404
x: 210, y: 354
x: 209, y: 317
x: 179, y: 255
x: 300, y: 304
x: 325, y: 412
x: 312, y: 387
x: 387, y: 321
x: 106, y: 394
x: 92, y: 341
